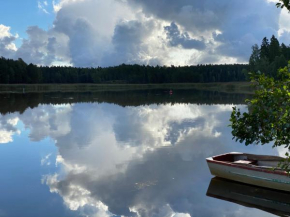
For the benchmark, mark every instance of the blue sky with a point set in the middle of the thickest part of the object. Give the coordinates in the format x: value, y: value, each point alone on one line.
x: 90, y: 33
x: 21, y: 14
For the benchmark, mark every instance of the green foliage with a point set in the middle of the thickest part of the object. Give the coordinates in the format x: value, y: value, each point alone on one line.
x: 269, y: 57
x: 285, y: 163
x: 284, y: 3
x: 268, y: 118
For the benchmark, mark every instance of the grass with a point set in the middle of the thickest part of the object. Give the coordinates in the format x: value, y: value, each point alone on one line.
x: 229, y: 87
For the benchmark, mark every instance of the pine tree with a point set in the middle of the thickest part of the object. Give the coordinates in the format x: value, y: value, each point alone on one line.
x: 285, y: 51
x: 254, y: 58
x: 274, y: 48
x: 264, y: 50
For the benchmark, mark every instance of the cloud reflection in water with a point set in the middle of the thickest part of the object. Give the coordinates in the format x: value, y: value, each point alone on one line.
x: 136, y: 161
x: 8, y: 128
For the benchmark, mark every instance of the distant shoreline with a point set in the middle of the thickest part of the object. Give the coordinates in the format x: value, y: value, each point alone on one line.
x: 229, y: 87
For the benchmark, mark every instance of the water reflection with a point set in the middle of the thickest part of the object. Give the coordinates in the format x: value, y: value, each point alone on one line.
x: 146, y: 160
x: 10, y: 102
x: 8, y: 128
x: 272, y: 201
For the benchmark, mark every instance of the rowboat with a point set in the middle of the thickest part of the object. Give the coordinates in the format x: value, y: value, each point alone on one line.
x: 269, y: 200
x: 259, y: 170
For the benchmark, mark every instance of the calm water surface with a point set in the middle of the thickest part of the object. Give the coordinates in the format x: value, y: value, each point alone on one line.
x: 134, y: 153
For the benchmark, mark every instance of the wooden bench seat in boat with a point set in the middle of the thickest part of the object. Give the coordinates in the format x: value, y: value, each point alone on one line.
x: 245, y: 162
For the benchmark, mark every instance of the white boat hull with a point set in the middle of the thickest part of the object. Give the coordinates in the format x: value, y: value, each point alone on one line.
x: 268, y: 178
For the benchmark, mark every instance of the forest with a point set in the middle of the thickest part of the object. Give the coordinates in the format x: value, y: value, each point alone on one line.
x: 267, y: 58
x: 18, y: 72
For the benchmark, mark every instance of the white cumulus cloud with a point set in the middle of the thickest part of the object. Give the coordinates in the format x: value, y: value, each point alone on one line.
x: 7, y: 45
x: 90, y: 33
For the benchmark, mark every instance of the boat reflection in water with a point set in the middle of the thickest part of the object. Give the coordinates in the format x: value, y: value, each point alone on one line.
x: 269, y: 200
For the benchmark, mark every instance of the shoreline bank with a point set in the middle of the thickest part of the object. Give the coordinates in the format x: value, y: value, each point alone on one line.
x: 228, y: 87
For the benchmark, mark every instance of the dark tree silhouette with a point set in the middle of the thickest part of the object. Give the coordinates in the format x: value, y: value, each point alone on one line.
x: 16, y: 71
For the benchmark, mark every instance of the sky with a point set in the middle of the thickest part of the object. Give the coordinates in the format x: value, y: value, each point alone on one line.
x: 91, y: 33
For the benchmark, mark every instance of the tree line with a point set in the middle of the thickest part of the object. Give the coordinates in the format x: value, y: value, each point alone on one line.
x: 18, y: 72
x: 269, y: 57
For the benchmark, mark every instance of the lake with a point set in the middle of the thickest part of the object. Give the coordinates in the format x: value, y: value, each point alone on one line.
x: 126, y: 153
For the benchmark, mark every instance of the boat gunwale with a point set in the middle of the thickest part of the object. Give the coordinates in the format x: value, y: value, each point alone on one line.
x: 230, y: 164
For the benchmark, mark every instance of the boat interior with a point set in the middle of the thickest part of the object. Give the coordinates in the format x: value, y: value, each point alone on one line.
x: 250, y: 159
